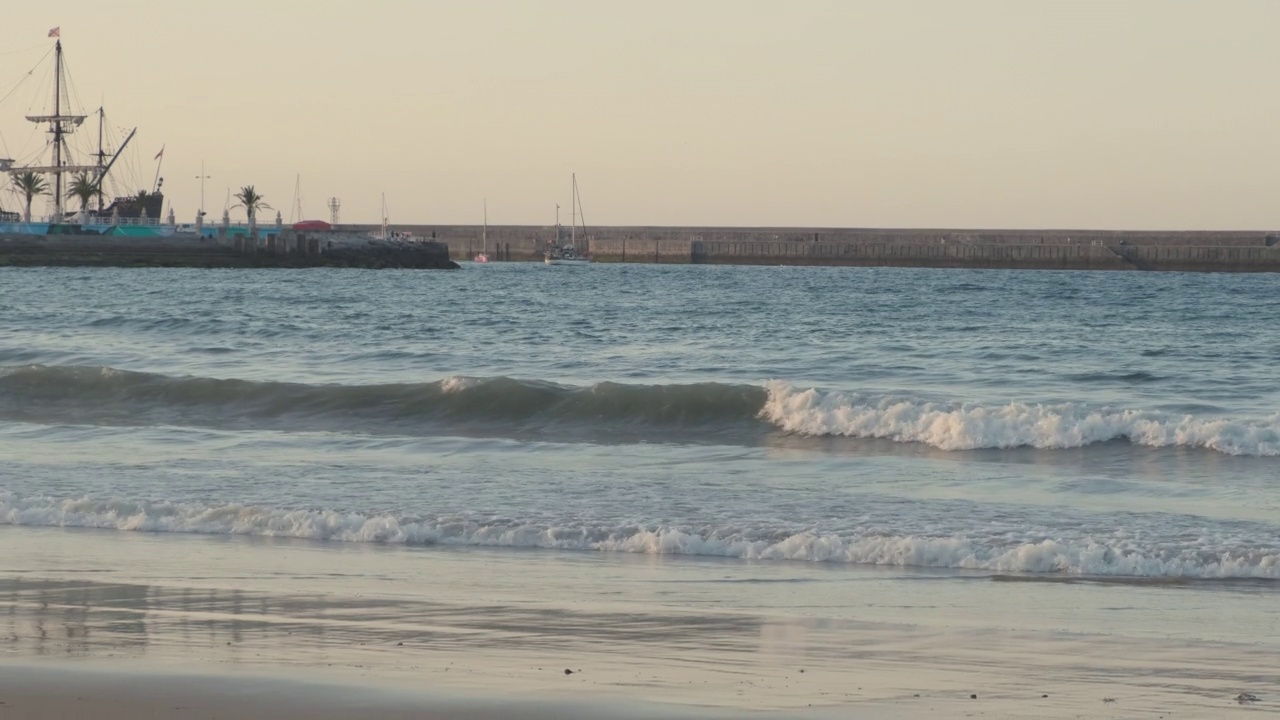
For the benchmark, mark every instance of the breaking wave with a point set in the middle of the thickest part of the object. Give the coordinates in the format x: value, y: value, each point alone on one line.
x: 1190, y: 558
x: 504, y: 406
x: 956, y: 426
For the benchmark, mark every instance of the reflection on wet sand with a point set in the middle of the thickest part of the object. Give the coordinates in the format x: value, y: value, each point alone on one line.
x: 47, y: 617
x: 730, y: 635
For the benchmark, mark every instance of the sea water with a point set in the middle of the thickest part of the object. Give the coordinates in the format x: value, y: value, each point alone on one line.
x: 997, y: 423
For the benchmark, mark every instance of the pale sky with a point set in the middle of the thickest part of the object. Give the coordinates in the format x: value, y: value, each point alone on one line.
x: 898, y: 113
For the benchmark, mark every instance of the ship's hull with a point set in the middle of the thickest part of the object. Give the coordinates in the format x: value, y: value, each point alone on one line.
x: 567, y: 261
x: 106, y: 229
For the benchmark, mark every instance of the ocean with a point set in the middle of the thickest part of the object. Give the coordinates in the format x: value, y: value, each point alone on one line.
x: 1001, y: 437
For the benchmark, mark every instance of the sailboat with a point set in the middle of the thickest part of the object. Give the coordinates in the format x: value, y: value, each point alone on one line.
x: 385, y: 234
x: 63, y: 122
x: 567, y: 254
x: 483, y: 256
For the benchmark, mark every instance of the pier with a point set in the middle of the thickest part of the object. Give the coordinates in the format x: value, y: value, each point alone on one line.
x: 1190, y: 251
x: 275, y: 250
x: 438, y: 246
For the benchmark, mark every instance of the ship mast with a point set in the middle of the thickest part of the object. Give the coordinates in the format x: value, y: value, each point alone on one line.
x: 57, y: 133
x: 59, y: 126
x: 101, y: 155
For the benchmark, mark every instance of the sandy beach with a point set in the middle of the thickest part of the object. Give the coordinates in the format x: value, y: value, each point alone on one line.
x: 215, y: 627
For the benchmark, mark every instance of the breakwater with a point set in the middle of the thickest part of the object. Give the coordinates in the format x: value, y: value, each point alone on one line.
x: 285, y: 249
x: 1208, y: 251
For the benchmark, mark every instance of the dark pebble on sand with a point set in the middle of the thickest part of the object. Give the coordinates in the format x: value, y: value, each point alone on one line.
x: 973, y: 697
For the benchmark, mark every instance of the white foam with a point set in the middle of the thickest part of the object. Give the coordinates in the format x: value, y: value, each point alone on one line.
x: 970, y: 427
x: 457, y: 384
x: 1198, y: 557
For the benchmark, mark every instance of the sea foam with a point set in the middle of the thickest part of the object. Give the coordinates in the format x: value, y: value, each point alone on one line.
x: 1192, y: 557
x: 962, y: 426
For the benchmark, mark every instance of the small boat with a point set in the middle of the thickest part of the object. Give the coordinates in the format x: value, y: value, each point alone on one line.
x: 567, y: 253
x: 386, y: 236
x: 483, y: 256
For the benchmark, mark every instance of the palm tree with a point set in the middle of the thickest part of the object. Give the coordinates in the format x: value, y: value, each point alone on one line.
x: 29, y: 185
x: 141, y: 200
x: 84, y: 189
x: 251, y: 201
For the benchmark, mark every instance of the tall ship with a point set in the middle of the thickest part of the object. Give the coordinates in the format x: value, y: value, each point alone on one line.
x: 73, y: 175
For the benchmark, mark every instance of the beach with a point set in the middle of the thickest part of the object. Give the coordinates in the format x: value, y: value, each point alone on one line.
x: 263, y: 627
x: 702, y: 491
x: 136, y: 622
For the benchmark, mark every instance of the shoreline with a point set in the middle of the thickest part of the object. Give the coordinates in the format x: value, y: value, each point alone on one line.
x: 416, y: 632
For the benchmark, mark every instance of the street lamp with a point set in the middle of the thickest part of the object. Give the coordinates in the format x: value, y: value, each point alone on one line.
x: 202, y: 177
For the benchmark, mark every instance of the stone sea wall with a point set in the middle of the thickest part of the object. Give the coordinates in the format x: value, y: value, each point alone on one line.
x: 285, y: 249
x: 349, y: 246
x: 1225, y: 251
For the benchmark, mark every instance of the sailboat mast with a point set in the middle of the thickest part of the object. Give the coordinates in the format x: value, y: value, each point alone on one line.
x: 101, y: 156
x: 573, y: 212
x: 484, y: 234
x: 57, y: 133
x: 297, y: 198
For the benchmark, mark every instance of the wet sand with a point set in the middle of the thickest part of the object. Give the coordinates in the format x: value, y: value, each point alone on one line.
x: 94, y: 624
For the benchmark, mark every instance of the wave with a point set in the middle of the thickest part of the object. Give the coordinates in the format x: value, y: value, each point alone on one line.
x: 508, y: 407
x: 1193, y: 558
x: 38, y: 393
x: 957, y: 426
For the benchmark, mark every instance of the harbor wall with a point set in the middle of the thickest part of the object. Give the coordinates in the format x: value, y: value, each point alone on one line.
x: 1222, y: 251
x: 349, y: 247
x: 286, y: 249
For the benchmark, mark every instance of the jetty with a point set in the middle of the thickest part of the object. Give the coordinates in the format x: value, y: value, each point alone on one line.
x: 287, y: 249
x: 1186, y: 251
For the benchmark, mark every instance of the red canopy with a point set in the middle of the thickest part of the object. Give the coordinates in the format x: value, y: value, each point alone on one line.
x: 312, y: 225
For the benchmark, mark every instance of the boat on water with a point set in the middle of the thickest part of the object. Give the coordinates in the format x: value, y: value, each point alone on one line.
x: 560, y: 252
x: 71, y: 171
x: 565, y: 255
x: 483, y: 256
x: 386, y: 236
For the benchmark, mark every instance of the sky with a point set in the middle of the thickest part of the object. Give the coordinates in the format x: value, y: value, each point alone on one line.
x: 1125, y: 114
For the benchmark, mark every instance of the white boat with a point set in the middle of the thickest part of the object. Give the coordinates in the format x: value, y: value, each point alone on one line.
x: 386, y: 236
x: 483, y: 256
x: 568, y: 253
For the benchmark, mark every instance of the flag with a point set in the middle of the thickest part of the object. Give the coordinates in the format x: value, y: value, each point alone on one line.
x: 159, y: 154
x: 56, y: 32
